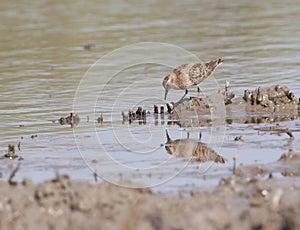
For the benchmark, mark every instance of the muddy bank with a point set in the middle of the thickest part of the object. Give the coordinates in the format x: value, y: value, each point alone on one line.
x: 261, y: 105
x: 255, y: 197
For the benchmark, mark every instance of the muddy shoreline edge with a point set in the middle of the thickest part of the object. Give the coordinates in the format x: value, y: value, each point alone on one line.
x: 253, y: 197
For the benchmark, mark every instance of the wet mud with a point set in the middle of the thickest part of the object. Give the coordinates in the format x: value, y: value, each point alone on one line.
x: 255, y: 197
x: 262, y: 105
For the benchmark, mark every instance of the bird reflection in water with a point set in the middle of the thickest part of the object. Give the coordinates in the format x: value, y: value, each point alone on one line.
x: 193, y: 149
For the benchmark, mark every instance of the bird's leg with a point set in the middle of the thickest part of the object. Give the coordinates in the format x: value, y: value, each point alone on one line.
x: 198, y: 89
x: 186, y: 92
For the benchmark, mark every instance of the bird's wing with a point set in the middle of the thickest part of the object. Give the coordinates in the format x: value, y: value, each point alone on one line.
x: 183, y: 69
x: 198, y: 72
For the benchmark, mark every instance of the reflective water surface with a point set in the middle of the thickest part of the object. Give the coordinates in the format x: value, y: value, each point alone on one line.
x: 43, y: 60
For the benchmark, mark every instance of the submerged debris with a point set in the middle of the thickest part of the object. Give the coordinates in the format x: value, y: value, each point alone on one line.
x: 238, y: 138
x: 100, y: 119
x: 161, y: 107
x: 73, y: 120
x: 33, y: 136
x: 89, y: 46
x: 155, y: 109
x: 140, y: 115
x: 11, y: 154
x: 277, y: 129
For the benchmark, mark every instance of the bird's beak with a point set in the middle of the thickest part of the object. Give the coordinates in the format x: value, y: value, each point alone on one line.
x: 166, y: 93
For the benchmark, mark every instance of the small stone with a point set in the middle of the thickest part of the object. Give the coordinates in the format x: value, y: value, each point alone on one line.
x: 27, y: 182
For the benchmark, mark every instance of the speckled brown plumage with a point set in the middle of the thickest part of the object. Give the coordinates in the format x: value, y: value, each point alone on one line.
x: 195, y: 150
x: 188, y: 75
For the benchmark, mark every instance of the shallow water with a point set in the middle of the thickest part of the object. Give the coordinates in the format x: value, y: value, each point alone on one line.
x: 43, y: 61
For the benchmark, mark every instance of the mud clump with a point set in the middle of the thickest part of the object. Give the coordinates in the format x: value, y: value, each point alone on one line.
x: 199, y: 105
x: 262, y: 105
x: 139, y: 115
x: 227, y: 95
x: 273, y: 99
x: 290, y: 156
x: 11, y: 153
x: 73, y: 120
